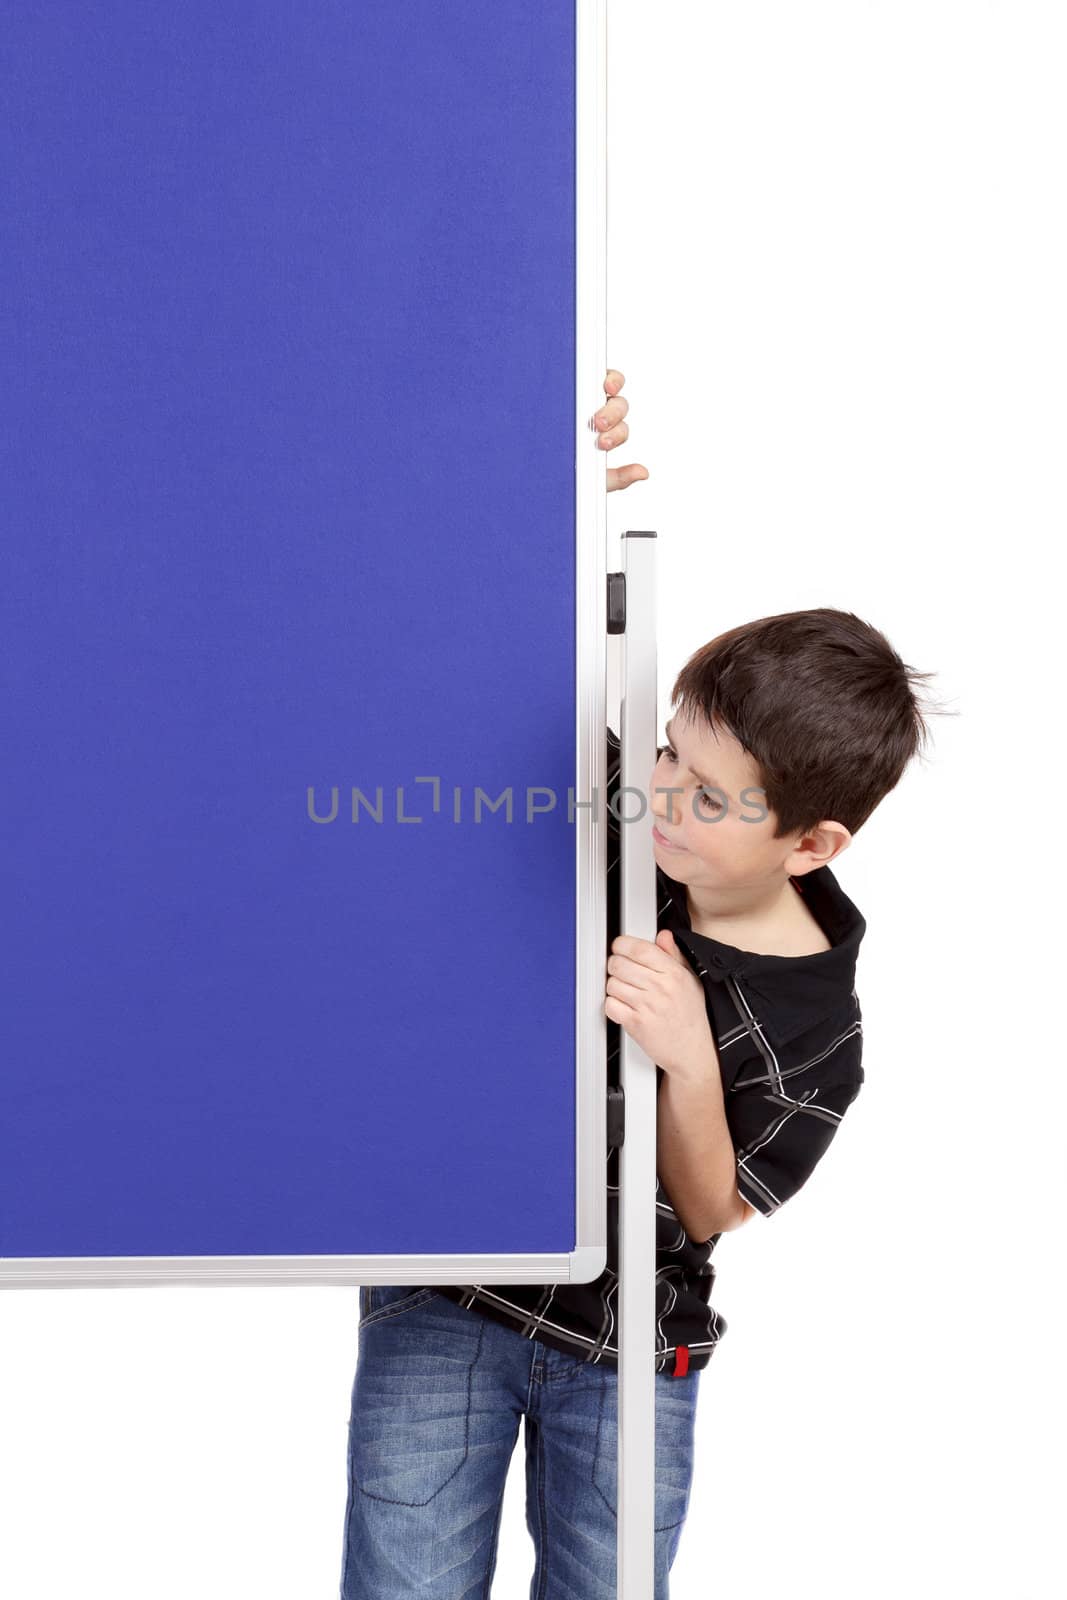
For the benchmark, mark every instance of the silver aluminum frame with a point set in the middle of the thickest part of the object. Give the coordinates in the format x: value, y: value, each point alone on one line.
x: 637, y: 1075
x: 587, y: 1260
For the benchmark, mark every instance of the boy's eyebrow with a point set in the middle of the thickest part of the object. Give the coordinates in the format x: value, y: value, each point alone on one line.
x: 709, y: 783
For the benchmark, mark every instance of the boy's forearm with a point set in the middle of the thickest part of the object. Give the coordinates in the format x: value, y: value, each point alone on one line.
x: 695, y: 1157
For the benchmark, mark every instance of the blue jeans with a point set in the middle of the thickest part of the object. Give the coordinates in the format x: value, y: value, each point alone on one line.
x: 436, y: 1402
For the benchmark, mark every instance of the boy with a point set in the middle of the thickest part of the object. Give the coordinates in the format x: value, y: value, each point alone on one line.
x: 787, y: 733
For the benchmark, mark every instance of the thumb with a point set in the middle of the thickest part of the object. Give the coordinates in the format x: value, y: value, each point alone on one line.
x: 665, y: 940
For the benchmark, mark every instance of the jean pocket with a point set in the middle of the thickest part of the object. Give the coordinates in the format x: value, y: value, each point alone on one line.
x: 378, y: 1300
x: 409, y: 1429
x: 675, y: 1419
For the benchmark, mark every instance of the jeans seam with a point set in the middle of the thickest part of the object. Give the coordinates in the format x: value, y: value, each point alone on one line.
x: 542, y: 1555
x: 597, y: 1452
x: 396, y: 1307
x: 349, y: 1508
x: 491, y: 1567
x: 387, y: 1499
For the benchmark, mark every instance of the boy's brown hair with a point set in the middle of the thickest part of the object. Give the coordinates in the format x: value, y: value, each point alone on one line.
x: 821, y: 702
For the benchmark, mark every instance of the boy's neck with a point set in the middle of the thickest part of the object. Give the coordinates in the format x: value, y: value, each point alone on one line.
x: 776, y: 923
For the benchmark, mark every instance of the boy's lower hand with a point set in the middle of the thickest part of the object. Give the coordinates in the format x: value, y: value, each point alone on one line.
x: 613, y: 431
x: 656, y: 996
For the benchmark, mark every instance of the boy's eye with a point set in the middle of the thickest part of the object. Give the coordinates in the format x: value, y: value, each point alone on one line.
x: 705, y: 797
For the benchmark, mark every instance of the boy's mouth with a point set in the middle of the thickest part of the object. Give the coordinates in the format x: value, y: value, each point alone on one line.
x: 666, y: 843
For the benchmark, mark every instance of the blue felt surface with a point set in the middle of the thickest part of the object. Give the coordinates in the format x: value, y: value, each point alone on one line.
x: 280, y: 287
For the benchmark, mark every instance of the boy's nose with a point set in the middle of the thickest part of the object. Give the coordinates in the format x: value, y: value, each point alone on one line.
x: 662, y: 807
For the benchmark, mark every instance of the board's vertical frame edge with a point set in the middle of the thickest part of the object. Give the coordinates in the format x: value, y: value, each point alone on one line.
x: 590, y: 612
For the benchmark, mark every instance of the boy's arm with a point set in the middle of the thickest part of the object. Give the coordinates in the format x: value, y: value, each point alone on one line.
x: 772, y: 1134
x: 695, y: 1157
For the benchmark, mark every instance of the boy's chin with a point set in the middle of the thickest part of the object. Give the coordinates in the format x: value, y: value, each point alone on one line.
x: 672, y: 862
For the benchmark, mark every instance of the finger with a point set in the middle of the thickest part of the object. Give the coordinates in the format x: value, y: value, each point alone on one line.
x: 632, y: 973
x: 610, y: 414
x: 627, y: 949
x: 631, y: 994
x: 616, y: 435
x: 616, y: 407
x: 622, y: 477
x: 617, y: 1010
x: 666, y: 941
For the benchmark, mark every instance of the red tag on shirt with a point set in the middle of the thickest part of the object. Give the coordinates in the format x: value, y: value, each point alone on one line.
x: 681, y: 1361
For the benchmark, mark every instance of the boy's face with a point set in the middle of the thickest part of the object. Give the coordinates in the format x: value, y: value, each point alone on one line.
x: 718, y: 824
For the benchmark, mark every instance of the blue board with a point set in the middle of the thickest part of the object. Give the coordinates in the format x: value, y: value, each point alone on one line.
x: 288, y: 432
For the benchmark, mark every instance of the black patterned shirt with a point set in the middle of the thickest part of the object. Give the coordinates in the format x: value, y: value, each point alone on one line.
x: 788, y: 1032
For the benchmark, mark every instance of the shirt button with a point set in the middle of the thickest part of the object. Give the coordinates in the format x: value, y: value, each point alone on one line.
x: 718, y: 961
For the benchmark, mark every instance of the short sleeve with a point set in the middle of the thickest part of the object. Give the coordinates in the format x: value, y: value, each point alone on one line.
x: 782, y: 1121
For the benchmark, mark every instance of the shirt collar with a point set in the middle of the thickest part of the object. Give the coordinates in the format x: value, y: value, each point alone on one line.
x: 796, y: 991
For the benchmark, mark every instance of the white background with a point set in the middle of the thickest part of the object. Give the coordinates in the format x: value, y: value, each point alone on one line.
x: 837, y: 266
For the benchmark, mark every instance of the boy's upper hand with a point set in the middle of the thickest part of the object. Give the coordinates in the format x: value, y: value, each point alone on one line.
x: 654, y: 994
x: 608, y: 423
